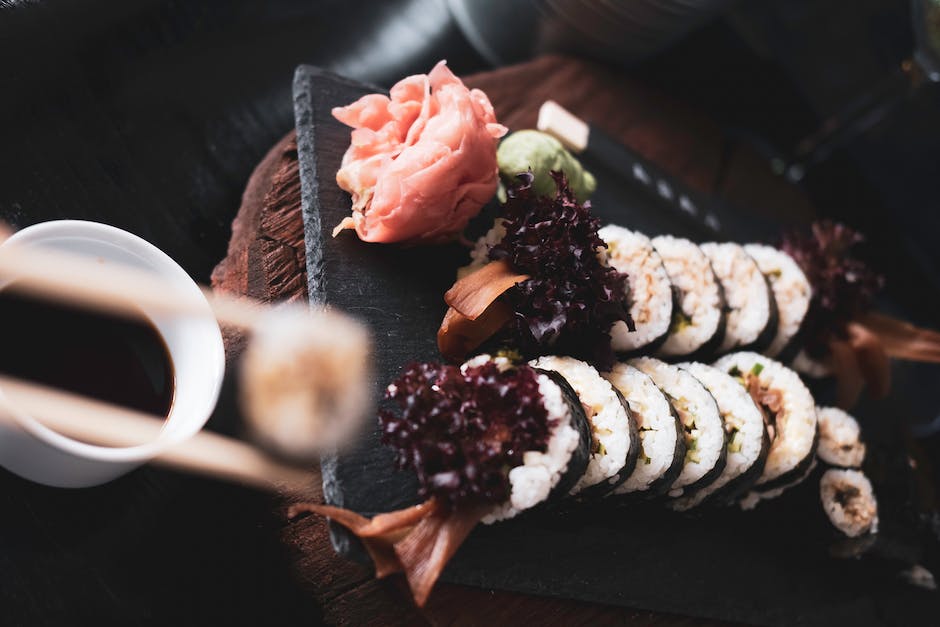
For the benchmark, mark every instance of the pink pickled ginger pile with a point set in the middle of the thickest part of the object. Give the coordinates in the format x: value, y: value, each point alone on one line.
x: 421, y: 162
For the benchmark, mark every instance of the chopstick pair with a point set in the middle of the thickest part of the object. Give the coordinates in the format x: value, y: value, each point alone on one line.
x: 125, y: 290
x: 103, y: 424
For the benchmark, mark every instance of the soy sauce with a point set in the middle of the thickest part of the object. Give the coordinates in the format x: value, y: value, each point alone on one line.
x: 123, y: 361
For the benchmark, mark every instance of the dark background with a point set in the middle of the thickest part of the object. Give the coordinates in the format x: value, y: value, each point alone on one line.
x: 150, y: 115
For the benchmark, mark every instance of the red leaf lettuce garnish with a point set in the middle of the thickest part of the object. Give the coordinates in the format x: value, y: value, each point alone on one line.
x: 461, y: 432
x: 844, y: 287
x: 571, y: 300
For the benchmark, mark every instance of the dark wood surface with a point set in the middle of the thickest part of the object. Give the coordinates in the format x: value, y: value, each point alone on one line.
x: 266, y: 254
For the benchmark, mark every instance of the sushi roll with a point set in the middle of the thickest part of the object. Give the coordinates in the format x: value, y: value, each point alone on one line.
x: 485, y: 441
x: 616, y: 443
x: 703, y: 431
x: 792, y: 294
x: 840, y: 442
x: 698, y: 320
x: 662, y: 441
x: 748, y: 443
x: 849, y: 501
x: 789, y: 413
x: 751, y: 310
x: 651, y: 308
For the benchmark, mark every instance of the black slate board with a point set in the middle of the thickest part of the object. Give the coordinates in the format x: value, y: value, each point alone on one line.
x: 770, y: 566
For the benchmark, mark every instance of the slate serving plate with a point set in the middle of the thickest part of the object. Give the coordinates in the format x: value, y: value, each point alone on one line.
x: 770, y: 566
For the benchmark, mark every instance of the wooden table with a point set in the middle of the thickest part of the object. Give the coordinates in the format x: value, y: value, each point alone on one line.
x: 265, y: 260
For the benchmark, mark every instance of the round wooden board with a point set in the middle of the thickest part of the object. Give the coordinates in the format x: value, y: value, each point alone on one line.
x: 265, y: 260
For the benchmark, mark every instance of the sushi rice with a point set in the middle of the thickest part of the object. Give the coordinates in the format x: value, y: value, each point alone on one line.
x: 747, y: 439
x: 792, y: 293
x: 479, y: 254
x: 747, y: 294
x: 792, y: 429
x: 616, y: 444
x: 698, y: 320
x: 652, y: 303
x: 662, y: 442
x: 702, y: 426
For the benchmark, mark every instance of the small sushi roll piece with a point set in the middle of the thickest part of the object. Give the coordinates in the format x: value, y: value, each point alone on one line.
x: 789, y: 413
x: 662, y: 439
x: 849, y: 501
x: 704, y: 433
x: 698, y: 322
x: 746, y: 435
x: 653, y: 297
x: 840, y: 442
x: 792, y: 294
x: 751, y: 310
x: 615, y: 440
x: 546, y: 475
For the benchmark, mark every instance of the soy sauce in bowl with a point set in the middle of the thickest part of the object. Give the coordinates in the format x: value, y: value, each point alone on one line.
x: 118, y: 360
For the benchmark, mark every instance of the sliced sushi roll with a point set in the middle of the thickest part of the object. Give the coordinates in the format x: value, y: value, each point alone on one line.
x: 703, y: 431
x: 789, y: 413
x: 849, y: 501
x: 792, y: 294
x: 615, y: 442
x: 486, y: 441
x: 751, y: 310
x: 746, y: 435
x: 662, y: 441
x: 840, y: 442
x: 698, y: 320
x: 652, y: 304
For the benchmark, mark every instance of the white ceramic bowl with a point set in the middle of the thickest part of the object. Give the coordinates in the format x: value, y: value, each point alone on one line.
x: 195, y: 345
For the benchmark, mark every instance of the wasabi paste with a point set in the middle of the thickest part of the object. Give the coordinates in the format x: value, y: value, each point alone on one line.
x: 542, y: 153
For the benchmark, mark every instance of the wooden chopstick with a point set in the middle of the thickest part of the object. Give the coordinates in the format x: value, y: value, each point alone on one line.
x: 103, y: 424
x: 114, y: 287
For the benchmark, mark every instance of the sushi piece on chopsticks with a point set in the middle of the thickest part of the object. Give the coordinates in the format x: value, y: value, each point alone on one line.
x: 747, y: 441
x: 702, y: 428
x: 789, y: 414
x: 662, y: 438
x: 698, y: 320
x: 651, y: 307
x: 752, y: 311
x: 616, y: 443
x: 487, y: 441
x: 302, y: 384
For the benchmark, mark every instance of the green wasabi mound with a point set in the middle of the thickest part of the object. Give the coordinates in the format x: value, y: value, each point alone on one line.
x: 542, y: 153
